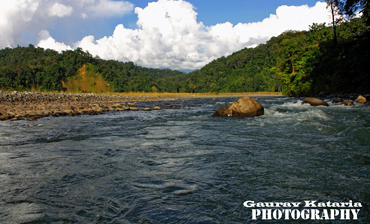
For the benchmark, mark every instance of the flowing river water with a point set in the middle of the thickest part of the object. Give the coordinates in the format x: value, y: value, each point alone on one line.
x: 182, y: 165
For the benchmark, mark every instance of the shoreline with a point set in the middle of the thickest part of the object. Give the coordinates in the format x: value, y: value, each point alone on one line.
x: 35, y: 105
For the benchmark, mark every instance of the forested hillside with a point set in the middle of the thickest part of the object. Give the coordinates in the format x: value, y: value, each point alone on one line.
x: 295, y: 62
x: 33, y: 68
x: 314, y: 63
x: 249, y: 70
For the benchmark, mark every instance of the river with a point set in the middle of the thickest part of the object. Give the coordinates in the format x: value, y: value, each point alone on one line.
x: 183, y: 165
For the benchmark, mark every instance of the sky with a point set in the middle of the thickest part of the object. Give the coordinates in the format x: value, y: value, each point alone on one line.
x: 176, y: 34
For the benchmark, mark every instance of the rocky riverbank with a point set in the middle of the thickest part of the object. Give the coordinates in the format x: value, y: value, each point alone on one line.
x: 32, y: 106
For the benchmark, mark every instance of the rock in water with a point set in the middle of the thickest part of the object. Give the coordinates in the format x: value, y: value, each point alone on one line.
x: 337, y: 100
x: 361, y: 99
x: 243, y: 107
x: 347, y: 103
x: 314, y: 102
x: 4, y: 117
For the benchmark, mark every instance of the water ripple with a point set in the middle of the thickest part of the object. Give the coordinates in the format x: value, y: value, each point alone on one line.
x: 182, y: 166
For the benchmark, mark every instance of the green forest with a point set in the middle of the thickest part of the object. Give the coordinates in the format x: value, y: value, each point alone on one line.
x: 325, y: 59
x: 26, y: 68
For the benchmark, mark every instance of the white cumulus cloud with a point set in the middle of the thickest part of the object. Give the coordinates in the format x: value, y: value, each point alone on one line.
x: 60, y: 10
x: 286, y: 18
x: 108, y: 8
x: 14, y: 18
x: 22, y: 18
x: 48, y: 42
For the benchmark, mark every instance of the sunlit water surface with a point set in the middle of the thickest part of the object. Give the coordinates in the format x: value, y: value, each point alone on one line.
x: 182, y: 165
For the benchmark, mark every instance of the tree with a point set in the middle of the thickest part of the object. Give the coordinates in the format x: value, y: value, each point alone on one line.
x: 334, y: 11
x: 351, y: 7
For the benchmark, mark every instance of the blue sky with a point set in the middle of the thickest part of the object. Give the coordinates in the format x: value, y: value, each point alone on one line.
x: 173, y: 34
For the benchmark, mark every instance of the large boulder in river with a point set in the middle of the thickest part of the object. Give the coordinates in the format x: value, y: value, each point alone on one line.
x: 244, y: 107
x: 314, y: 102
x: 361, y: 99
